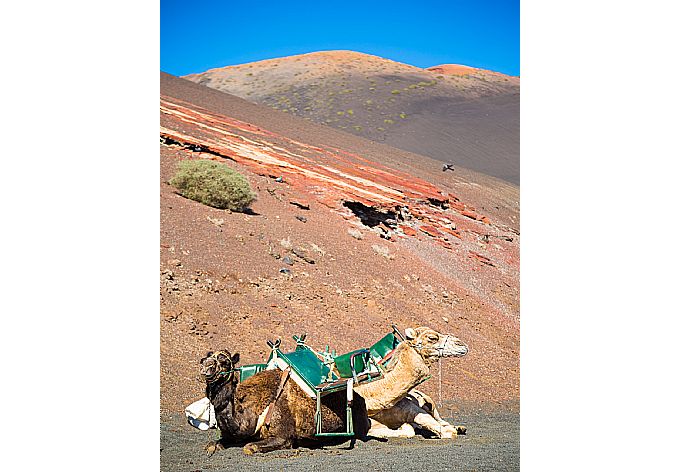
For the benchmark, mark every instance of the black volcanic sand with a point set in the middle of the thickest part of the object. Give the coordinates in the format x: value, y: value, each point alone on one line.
x: 483, y: 135
x: 492, y: 443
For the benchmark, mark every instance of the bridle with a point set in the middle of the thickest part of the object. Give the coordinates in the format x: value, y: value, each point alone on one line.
x: 219, y: 374
x: 439, y: 349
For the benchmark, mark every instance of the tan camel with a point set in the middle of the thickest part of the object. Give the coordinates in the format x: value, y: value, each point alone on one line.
x: 392, y: 403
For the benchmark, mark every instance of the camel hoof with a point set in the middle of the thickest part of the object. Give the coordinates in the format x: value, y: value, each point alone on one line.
x: 250, y: 449
x: 462, y: 430
x: 211, y: 448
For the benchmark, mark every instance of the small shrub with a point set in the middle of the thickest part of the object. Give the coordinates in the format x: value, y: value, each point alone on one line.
x: 395, y: 92
x: 213, y: 184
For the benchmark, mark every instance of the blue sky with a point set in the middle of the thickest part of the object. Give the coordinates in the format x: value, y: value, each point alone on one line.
x: 199, y: 35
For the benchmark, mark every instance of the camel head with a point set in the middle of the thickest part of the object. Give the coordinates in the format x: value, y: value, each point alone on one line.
x: 218, y: 364
x: 432, y: 345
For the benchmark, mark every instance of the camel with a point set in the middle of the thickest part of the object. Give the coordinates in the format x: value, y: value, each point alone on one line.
x: 270, y: 408
x: 393, y: 404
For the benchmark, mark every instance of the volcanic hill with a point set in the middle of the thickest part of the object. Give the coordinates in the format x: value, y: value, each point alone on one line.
x: 452, y: 113
x: 347, y: 237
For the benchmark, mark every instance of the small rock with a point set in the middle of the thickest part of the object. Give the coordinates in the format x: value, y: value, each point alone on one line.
x: 299, y: 204
x: 175, y: 262
x: 279, y: 179
x: 301, y: 253
x: 355, y: 233
x: 301, y: 218
x: 444, y: 319
x: 288, y: 260
x: 216, y: 221
x: 284, y: 270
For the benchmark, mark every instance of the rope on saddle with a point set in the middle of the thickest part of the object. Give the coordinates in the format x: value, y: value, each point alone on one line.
x: 281, y: 385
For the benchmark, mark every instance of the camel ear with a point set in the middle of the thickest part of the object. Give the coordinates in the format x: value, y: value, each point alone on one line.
x: 235, y: 358
x: 410, y: 333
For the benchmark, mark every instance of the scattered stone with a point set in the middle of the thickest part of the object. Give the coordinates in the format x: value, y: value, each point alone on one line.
x: 280, y: 179
x: 355, y: 233
x: 284, y: 270
x: 175, y: 262
x: 382, y: 232
x: 301, y: 218
x: 382, y: 251
x: 318, y: 250
x: 299, y: 204
x: 302, y: 254
x: 288, y: 260
x: 444, y: 319
x: 275, y: 254
x: 216, y: 221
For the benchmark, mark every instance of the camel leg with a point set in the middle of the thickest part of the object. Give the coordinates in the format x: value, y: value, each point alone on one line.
x: 426, y: 421
x: 213, y: 446
x: 426, y: 403
x: 379, y: 430
x: 266, y: 445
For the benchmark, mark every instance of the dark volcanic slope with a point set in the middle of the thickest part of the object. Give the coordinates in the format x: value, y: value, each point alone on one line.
x: 454, y: 114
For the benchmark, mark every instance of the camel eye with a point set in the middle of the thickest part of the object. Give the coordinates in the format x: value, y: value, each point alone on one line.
x: 433, y: 337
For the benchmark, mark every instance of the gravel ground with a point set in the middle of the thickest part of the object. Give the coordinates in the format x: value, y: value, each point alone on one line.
x: 492, y: 443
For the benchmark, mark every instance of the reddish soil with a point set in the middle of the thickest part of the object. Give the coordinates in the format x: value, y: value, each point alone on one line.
x: 459, y: 69
x: 451, y: 261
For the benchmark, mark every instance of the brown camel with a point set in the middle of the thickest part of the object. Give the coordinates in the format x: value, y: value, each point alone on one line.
x: 392, y: 403
x: 243, y: 414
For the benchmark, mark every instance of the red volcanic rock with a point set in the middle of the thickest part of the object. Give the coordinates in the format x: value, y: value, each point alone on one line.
x: 333, y: 176
x: 470, y: 214
x: 408, y: 230
x: 445, y: 244
x: 453, y: 69
x: 482, y: 259
x: 431, y: 231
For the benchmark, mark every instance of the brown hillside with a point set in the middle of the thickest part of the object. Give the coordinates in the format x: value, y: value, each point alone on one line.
x: 470, y: 119
x: 383, y: 236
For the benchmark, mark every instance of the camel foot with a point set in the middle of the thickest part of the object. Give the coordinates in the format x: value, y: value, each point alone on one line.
x: 266, y: 445
x: 212, y: 447
x: 250, y: 449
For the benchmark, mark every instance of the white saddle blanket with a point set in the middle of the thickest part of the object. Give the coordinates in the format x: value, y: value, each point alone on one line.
x: 201, y: 415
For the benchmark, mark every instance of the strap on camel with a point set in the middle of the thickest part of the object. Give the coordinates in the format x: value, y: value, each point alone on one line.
x: 281, y: 385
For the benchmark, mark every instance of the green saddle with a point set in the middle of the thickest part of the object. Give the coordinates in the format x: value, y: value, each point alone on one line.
x: 328, y: 371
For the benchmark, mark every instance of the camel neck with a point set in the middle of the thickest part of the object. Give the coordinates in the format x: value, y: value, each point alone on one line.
x: 222, y: 393
x: 406, y: 370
